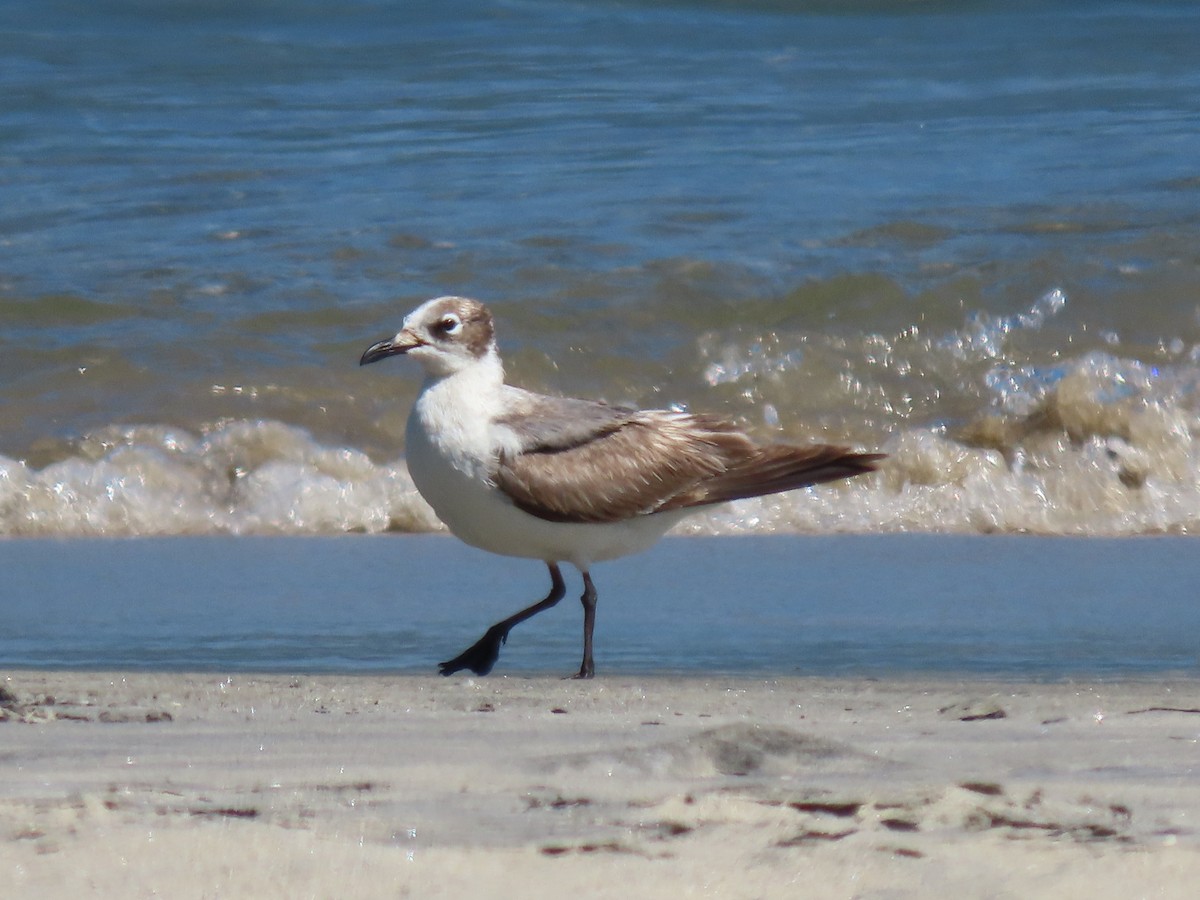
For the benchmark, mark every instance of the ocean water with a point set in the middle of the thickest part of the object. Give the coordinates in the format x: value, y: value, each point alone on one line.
x: 966, y: 233
x: 1011, y: 606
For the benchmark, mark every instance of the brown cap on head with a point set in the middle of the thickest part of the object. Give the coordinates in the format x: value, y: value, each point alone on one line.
x: 457, y: 326
x: 459, y: 319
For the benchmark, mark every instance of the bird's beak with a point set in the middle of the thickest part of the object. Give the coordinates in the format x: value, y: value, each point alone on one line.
x: 401, y: 343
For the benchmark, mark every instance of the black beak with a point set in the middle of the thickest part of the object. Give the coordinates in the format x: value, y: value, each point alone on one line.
x: 401, y: 343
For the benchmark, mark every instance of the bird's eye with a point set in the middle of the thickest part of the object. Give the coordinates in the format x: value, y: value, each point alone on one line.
x: 449, y: 325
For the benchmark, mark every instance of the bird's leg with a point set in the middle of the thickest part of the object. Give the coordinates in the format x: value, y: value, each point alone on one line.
x: 482, y: 655
x: 588, y: 667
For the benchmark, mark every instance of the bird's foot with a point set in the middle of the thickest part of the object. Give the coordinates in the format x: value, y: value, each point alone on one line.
x: 586, y: 671
x: 480, y: 656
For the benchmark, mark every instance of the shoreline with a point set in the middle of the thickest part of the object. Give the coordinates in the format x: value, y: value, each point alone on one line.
x: 873, y: 605
x: 201, y: 784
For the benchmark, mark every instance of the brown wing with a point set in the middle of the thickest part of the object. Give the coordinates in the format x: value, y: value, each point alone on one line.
x: 626, y: 469
x: 776, y: 468
x: 605, y: 464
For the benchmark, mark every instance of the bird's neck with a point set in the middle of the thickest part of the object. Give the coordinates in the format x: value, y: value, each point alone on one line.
x: 471, y: 384
x: 451, y: 422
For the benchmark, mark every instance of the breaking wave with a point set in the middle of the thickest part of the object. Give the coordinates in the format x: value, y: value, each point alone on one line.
x: 246, y: 477
x: 1099, y: 444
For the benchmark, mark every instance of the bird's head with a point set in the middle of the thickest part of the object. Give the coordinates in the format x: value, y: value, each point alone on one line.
x: 445, y: 335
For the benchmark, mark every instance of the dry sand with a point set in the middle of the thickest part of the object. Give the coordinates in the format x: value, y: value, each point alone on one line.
x: 156, y: 785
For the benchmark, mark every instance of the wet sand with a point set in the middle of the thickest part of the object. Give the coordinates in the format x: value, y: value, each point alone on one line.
x: 1004, y: 606
x: 204, y: 785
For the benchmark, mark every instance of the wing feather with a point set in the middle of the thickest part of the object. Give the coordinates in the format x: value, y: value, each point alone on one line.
x: 777, y: 468
x: 542, y: 424
x: 622, y: 470
x: 584, y: 461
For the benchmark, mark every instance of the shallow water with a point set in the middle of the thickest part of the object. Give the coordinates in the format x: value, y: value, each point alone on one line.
x: 1021, y: 607
x: 961, y: 232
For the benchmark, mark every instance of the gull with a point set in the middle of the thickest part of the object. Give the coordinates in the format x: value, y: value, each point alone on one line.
x: 565, y: 480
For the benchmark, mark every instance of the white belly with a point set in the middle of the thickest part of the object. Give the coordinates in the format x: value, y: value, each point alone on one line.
x: 479, y: 514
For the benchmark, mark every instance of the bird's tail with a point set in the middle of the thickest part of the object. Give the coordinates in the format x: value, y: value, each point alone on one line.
x: 776, y: 468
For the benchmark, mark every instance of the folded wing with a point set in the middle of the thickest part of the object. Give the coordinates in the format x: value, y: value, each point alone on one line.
x: 580, y: 461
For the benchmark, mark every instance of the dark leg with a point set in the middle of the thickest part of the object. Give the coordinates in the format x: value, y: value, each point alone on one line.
x: 482, y: 655
x: 588, y: 668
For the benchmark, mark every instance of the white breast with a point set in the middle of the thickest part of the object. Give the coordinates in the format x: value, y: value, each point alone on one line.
x: 451, y: 447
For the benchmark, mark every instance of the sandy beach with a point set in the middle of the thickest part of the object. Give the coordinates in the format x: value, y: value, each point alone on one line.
x: 204, y: 785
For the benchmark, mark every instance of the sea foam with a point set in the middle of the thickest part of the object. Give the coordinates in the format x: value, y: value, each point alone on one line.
x: 1084, y: 460
x: 987, y: 428
x: 242, y: 477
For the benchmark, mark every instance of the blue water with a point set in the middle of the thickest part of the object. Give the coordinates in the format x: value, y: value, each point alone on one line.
x: 961, y: 232
x: 1017, y: 607
x: 858, y: 221
x: 137, y: 134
